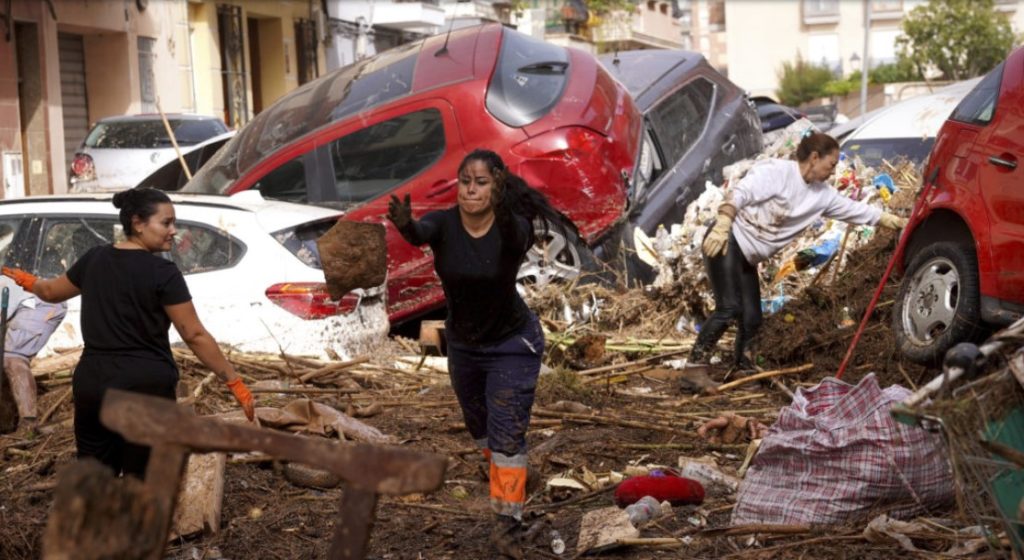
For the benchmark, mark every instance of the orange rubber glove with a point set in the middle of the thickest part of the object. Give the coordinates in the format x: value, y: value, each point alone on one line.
x: 243, y: 396
x: 24, y: 279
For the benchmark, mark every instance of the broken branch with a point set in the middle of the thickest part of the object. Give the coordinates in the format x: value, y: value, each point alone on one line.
x: 764, y: 375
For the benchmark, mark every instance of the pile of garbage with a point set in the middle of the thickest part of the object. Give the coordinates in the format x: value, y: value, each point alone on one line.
x: 817, y: 257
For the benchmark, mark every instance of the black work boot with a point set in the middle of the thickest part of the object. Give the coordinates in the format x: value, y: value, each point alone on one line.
x: 699, y: 356
x: 506, y: 537
x: 743, y: 364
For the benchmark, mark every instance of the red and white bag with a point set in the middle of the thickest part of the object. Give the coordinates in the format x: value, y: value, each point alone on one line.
x: 836, y: 454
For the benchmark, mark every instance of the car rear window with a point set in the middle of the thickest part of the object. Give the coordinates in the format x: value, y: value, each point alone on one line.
x: 151, y: 134
x: 979, y: 105
x: 301, y: 240
x: 528, y: 81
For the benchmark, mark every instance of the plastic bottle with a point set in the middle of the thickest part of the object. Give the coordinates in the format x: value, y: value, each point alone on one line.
x: 557, y: 544
x: 644, y: 509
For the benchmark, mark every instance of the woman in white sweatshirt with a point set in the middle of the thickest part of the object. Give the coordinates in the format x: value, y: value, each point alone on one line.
x: 776, y: 201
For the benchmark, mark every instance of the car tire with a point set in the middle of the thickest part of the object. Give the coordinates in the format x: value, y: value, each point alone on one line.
x: 939, y: 302
x: 558, y: 255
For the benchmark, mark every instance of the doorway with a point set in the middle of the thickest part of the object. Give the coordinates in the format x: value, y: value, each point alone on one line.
x: 32, y: 110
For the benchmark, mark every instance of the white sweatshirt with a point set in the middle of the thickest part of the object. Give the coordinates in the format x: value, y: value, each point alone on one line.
x: 775, y: 205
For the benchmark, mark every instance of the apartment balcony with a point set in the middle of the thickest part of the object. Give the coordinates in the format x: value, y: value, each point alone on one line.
x: 402, y: 16
x: 1007, y: 6
x: 818, y: 12
x: 886, y: 10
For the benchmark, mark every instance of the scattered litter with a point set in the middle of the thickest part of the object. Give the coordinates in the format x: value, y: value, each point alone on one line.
x: 603, y: 528
x: 707, y: 472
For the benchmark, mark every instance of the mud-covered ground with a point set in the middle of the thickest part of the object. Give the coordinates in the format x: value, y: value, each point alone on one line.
x: 265, y: 516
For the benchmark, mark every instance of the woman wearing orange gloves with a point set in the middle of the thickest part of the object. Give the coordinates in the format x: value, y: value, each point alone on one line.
x: 130, y: 296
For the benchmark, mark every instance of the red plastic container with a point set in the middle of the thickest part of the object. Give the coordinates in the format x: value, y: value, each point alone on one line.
x: 662, y: 485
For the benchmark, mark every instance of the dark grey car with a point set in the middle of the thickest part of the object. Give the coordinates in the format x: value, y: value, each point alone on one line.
x: 695, y: 123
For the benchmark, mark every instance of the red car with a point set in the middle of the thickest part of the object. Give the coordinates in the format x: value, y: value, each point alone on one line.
x: 402, y: 121
x: 965, y: 255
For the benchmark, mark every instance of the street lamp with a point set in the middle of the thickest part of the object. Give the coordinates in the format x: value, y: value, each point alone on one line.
x: 854, y: 62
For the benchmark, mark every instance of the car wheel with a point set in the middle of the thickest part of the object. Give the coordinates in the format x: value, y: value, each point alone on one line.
x: 939, y: 302
x: 558, y: 255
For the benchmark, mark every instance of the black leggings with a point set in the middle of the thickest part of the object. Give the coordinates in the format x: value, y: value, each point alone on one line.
x: 737, y: 292
x: 93, y: 376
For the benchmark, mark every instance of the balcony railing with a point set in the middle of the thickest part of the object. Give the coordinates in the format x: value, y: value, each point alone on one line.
x: 820, y: 11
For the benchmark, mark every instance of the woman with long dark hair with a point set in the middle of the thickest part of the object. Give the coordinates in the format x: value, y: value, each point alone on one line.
x: 495, y: 342
x: 130, y: 297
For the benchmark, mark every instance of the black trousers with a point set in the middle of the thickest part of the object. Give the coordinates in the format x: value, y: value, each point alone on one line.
x: 93, y: 376
x: 737, y: 291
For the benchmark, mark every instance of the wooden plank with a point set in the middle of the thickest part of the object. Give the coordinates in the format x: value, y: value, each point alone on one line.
x: 352, y: 533
x: 389, y: 470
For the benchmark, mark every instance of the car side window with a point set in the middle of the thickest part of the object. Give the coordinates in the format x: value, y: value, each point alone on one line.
x: 65, y: 240
x: 199, y: 248
x: 287, y: 183
x: 979, y: 106
x: 378, y: 158
x: 8, y: 229
x: 679, y: 118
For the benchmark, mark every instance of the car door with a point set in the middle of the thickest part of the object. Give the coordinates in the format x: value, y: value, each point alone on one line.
x: 413, y: 149
x: 998, y: 154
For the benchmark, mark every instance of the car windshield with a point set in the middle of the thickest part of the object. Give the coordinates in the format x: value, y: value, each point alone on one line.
x: 348, y: 91
x: 151, y: 134
x: 874, y: 151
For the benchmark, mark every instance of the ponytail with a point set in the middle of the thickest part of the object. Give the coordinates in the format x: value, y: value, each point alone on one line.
x: 141, y: 202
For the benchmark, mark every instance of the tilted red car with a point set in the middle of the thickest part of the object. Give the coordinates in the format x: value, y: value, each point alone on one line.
x: 401, y: 122
x: 965, y: 254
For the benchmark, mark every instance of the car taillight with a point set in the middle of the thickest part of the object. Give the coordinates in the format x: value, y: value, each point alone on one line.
x: 572, y: 142
x: 83, y: 168
x: 310, y: 300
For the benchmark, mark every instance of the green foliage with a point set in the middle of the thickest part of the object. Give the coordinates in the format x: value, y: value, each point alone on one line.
x: 900, y: 71
x: 839, y: 88
x: 601, y: 7
x: 801, y: 81
x: 961, y: 38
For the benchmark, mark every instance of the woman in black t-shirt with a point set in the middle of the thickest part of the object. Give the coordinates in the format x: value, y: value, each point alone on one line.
x: 494, y: 341
x: 130, y: 297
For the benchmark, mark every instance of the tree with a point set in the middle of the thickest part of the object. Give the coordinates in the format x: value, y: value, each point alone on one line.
x: 801, y: 81
x: 961, y: 38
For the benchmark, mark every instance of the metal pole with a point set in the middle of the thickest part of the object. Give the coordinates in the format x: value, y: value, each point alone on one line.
x: 4, y: 298
x: 865, y: 66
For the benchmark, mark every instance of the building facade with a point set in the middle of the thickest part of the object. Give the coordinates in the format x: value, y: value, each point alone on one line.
x: 65, y: 64
x: 749, y: 40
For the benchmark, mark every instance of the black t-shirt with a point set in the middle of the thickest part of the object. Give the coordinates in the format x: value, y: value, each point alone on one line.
x: 124, y: 292
x: 478, y: 274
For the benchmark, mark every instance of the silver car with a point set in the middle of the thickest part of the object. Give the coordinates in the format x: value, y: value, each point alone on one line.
x: 119, y: 152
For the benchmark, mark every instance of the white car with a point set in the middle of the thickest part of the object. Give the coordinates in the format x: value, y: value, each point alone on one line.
x: 906, y: 129
x: 251, y: 265
x: 119, y: 152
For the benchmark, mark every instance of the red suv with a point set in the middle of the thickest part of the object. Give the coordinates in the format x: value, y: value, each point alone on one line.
x: 964, y: 260
x: 617, y: 146
x: 401, y: 121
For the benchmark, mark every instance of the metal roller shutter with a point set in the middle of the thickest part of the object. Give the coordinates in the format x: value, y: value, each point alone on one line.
x: 71, y: 53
